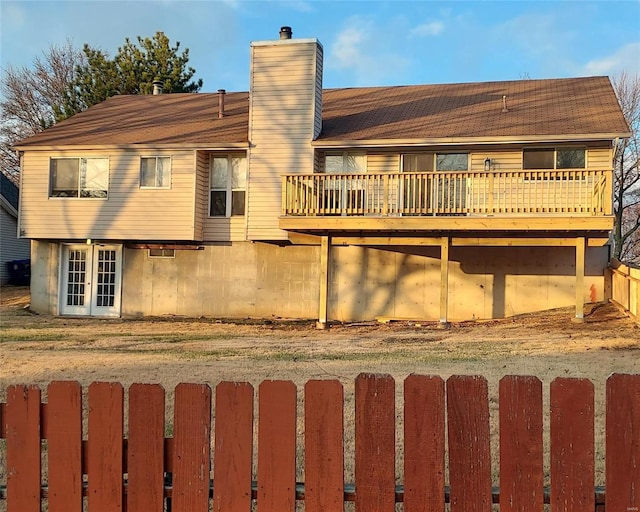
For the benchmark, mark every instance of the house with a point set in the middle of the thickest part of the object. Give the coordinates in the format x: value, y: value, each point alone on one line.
x: 442, y: 202
x: 12, y: 248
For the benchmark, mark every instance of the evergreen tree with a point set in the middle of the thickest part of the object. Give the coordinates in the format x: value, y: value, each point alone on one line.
x: 132, y: 71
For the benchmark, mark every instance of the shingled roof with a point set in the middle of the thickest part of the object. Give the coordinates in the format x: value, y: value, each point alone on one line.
x: 571, y: 108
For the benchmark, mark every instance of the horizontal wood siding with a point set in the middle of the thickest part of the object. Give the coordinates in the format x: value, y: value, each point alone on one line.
x: 599, y: 158
x: 500, y: 160
x: 129, y: 212
x: 383, y: 162
x: 224, y: 229
x: 11, y: 247
x: 201, y: 192
x: 317, y: 125
x: 283, y: 121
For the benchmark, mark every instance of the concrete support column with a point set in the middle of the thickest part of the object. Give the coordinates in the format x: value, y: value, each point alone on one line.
x: 444, y: 281
x: 325, y: 253
x: 580, y: 256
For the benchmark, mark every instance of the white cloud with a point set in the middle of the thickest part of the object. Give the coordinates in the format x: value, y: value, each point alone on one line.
x: 347, y: 51
x: 432, y: 28
x: 536, y: 33
x: 626, y: 58
x: 366, y: 52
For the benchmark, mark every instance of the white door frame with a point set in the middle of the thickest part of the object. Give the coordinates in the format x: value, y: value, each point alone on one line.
x: 90, y: 279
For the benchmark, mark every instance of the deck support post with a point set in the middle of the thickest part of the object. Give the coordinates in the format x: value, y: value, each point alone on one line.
x: 325, y: 248
x: 580, y: 254
x: 444, y: 281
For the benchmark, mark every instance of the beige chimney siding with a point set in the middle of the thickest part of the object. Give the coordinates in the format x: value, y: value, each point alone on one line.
x: 284, y: 117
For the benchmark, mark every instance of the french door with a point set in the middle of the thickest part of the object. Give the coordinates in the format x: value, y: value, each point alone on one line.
x: 91, y: 280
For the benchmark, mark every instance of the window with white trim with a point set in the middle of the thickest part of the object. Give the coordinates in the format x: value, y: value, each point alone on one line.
x: 155, y: 172
x: 227, y: 185
x: 570, y: 158
x: 346, y: 162
x: 79, y: 177
x: 423, y: 162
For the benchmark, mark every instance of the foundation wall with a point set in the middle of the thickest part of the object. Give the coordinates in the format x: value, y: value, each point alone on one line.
x: 247, y: 279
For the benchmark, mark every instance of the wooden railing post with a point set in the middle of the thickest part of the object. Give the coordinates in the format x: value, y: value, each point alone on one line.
x: 375, y: 443
x: 572, y: 448
x: 622, y: 448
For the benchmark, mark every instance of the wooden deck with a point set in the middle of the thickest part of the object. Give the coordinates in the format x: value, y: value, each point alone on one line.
x: 577, y: 199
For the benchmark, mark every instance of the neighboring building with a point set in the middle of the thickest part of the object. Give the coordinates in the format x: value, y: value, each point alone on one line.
x: 12, y: 248
x: 443, y: 202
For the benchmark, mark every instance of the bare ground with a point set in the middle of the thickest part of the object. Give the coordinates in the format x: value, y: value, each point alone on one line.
x: 37, y: 349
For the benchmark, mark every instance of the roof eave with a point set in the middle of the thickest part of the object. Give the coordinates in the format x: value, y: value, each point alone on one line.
x: 135, y: 147
x: 458, y: 141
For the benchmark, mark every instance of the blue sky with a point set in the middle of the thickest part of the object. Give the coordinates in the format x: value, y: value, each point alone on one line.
x: 366, y: 43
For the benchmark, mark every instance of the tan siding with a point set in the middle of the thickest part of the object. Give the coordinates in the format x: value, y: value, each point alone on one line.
x: 282, y: 122
x: 221, y: 229
x: 599, y: 158
x: 383, y: 162
x: 318, y: 94
x: 500, y: 160
x: 201, y: 192
x: 129, y: 213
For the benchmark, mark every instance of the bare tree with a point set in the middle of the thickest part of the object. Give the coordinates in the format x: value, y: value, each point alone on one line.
x: 626, y: 202
x: 33, y: 98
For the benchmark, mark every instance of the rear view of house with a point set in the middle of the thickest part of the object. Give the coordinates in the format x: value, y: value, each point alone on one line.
x: 441, y: 202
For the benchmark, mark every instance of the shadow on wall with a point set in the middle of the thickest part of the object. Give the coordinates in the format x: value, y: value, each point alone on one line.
x: 484, y: 282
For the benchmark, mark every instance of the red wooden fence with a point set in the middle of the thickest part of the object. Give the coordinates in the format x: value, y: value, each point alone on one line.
x: 146, y: 471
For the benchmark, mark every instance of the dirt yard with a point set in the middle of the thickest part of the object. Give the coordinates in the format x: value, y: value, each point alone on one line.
x: 37, y: 349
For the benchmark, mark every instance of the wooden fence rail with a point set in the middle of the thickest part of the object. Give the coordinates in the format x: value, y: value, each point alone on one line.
x: 625, y: 284
x: 144, y: 471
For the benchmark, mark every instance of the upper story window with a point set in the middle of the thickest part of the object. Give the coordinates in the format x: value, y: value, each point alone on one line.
x: 573, y: 158
x: 418, y: 162
x: 79, y: 177
x: 227, y: 185
x: 155, y: 172
x: 346, y: 162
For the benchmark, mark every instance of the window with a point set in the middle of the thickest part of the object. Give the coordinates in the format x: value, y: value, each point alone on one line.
x: 553, y: 159
x: 452, y: 162
x: 347, y: 162
x: 155, y: 172
x: 227, y: 186
x: 79, y: 177
x: 417, y: 162
x: 424, y: 162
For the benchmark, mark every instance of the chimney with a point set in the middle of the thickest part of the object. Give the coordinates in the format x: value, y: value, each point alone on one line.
x: 285, y: 32
x: 221, y: 93
x: 157, y: 87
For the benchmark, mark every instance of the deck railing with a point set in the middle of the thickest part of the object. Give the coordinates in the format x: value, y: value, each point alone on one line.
x: 565, y: 192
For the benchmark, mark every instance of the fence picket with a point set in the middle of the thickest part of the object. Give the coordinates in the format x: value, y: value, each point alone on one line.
x: 623, y: 443
x: 277, y: 446
x: 233, y: 447
x: 192, y: 434
x: 324, y: 450
x: 64, y: 435
x: 469, y: 445
x: 145, y: 449
x: 521, y: 452
x: 424, y: 444
x: 572, y: 445
x: 375, y: 443
x: 22, y: 418
x: 104, y: 464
